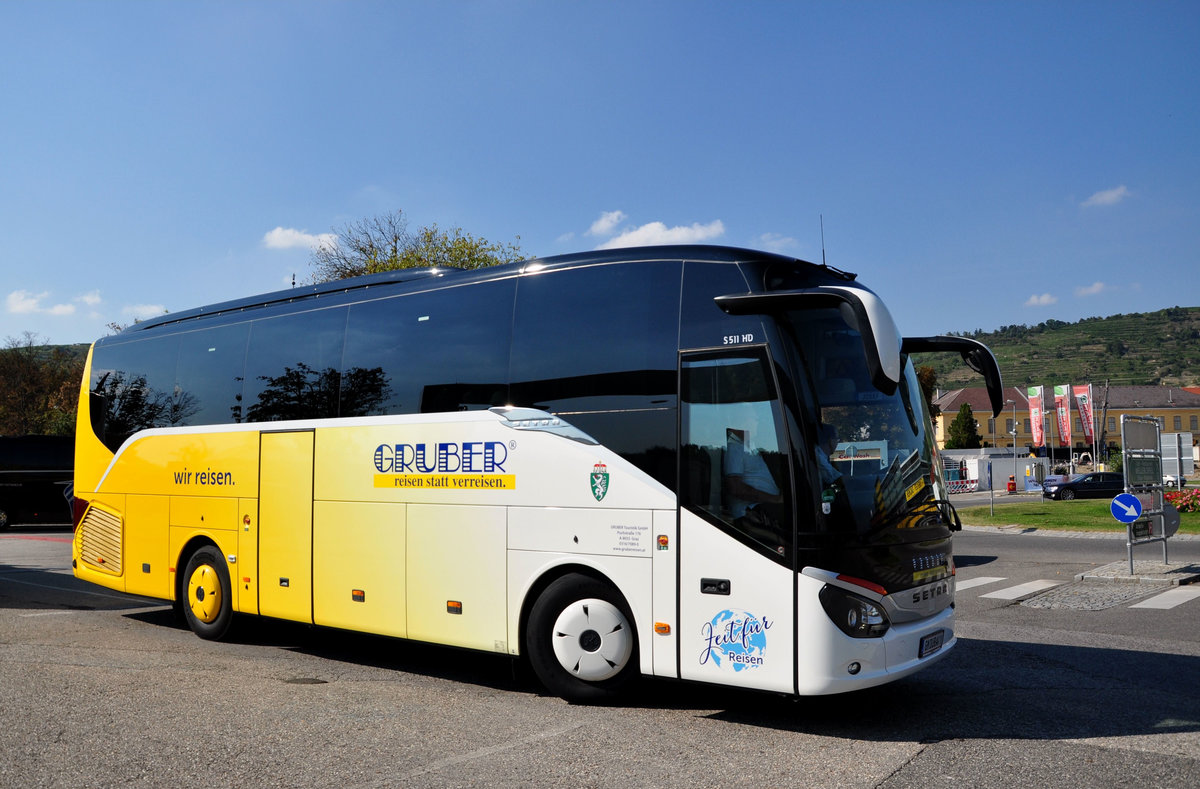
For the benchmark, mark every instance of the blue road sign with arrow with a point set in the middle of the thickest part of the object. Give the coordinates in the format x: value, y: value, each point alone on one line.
x: 1126, y: 508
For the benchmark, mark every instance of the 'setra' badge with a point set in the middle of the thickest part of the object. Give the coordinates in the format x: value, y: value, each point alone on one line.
x: 599, y: 481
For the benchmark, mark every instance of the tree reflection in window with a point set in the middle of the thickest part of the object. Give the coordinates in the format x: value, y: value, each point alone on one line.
x: 365, y: 392
x: 127, y: 405
x: 301, y: 392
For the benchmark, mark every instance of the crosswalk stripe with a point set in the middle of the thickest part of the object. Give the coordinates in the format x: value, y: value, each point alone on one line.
x: 1170, y: 598
x: 1021, y: 590
x: 970, y: 582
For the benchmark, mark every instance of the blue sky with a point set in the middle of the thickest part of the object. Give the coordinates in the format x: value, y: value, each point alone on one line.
x: 977, y: 164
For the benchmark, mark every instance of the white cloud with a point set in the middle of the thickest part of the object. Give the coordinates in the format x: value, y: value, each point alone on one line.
x: 91, y: 298
x: 22, y: 302
x: 774, y: 242
x: 143, y: 311
x: 1091, y: 290
x: 607, y: 223
x: 290, y: 238
x: 658, y: 233
x: 1044, y: 300
x: 1107, y: 197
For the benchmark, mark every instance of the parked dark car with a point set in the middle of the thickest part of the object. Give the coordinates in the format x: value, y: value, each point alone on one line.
x: 1097, y: 485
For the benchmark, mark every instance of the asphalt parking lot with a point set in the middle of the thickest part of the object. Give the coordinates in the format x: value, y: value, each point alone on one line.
x: 101, y: 689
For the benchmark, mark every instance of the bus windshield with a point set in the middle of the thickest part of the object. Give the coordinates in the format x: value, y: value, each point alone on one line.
x: 875, y: 450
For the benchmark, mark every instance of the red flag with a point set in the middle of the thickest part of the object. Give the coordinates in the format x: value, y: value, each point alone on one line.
x: 1083, y: 396
x: 1062, y: 405
x: 1036, y: 409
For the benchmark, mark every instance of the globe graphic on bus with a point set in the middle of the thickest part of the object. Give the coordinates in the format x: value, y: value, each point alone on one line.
x: 737, y: 638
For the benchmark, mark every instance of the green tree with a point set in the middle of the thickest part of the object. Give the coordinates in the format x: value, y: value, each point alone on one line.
x: 963, y: 433
x: 41, y: 388
x: 384, y: 243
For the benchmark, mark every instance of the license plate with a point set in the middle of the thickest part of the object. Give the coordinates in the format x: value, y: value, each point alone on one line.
x: 931, y: 643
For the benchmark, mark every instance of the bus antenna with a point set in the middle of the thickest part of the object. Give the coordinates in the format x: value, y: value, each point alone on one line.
x: 822, y: 216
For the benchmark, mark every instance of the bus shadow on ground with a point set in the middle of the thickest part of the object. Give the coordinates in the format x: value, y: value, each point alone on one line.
x: 983, y: 690
x: 961, y: 561
x: 38, y: 588
x: 1006, y: 690
x: 498, y: 672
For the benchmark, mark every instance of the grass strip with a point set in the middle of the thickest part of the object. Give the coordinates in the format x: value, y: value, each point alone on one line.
x: 1087, y: 515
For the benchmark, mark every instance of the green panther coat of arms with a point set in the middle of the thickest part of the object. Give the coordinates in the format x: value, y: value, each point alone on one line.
x: 599, y: 481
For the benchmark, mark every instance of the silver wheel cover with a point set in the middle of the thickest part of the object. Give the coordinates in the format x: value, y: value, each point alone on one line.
x: 592, y: 640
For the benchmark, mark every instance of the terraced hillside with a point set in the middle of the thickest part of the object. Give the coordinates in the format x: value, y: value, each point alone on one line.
x: 1150, y: 348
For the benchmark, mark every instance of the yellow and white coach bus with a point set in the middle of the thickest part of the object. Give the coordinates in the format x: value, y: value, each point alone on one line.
x: 701, y: 463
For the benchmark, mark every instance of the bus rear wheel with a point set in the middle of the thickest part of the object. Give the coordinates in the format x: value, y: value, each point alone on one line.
x: 580, y: 641
x: 207, y: 596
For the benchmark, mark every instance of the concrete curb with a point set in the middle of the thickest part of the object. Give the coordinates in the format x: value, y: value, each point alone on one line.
x: 1079, y: 535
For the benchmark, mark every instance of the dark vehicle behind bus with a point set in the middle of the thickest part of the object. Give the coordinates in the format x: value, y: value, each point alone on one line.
x: 1097, y: 485
x: 35, y: 475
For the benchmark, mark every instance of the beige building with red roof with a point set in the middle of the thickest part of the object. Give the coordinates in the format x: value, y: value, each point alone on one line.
x: 1178, y: 408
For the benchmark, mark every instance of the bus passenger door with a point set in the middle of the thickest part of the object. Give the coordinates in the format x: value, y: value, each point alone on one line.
x: 285, y: 491
x: 736, y: 584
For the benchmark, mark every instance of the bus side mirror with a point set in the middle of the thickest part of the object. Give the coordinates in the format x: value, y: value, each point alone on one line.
x: 975, y: 354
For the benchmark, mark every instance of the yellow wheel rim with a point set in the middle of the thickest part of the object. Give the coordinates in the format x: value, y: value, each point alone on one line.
x: 204, y: 594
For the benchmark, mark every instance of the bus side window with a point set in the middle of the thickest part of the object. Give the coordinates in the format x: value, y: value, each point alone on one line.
x: 293, y: 365
x: 208, y: 381
x: 705, y: 325
x: 734, y: 467
x: 132, y: 387
x: 595, y: 339
x: 457, y: 337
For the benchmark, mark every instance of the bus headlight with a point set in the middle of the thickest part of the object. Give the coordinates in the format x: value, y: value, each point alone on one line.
x: 855, y: 616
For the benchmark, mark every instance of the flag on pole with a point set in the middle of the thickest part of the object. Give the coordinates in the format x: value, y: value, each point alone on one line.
x: 1062, y: 405
x: 1036, y: 411
x: 1083, y: 397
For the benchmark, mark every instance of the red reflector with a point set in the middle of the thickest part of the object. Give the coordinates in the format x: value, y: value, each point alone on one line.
x: 662, y: 628
x: 78, y: 506
x: 874, y: 587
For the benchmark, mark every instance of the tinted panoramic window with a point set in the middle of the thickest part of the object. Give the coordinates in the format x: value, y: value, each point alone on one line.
x: 597, y: 338
x: 133, y: 387
x: 292, y: 367
x: 208, y: 378
x: 443, y: 350
x: 705, y: 325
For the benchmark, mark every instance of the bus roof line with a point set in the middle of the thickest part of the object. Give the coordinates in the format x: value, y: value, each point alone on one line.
x: 697, y: 252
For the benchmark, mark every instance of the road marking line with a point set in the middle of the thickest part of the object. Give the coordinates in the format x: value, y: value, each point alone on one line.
x: 1170, y: 598
x: 1021, y: 590
x: 980, y: 581
x: 33, y: 537
x: 481, y: 753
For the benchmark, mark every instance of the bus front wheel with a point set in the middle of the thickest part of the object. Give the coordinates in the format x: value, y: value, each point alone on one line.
x: 580, y: 641
x: 207, y: 601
